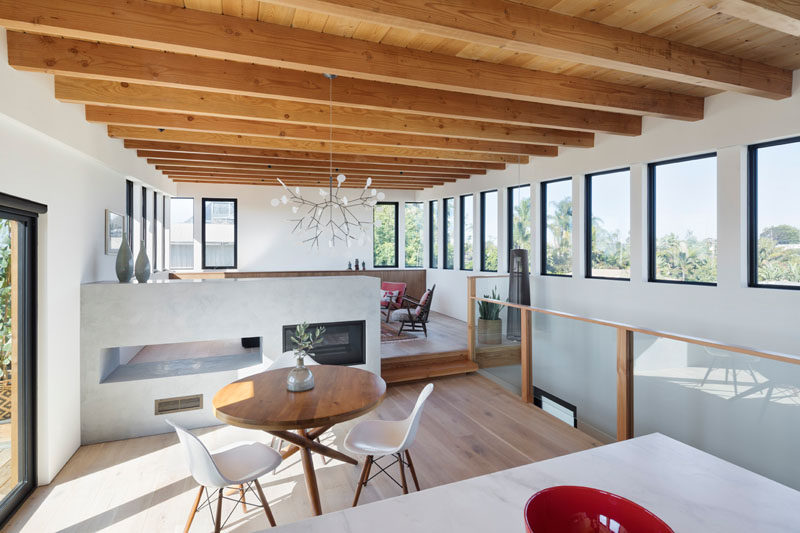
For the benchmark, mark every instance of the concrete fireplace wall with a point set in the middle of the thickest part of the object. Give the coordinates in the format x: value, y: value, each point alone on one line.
x: 114, y: 314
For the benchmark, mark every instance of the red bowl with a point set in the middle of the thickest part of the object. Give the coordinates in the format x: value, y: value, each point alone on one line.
x: 566, y: 509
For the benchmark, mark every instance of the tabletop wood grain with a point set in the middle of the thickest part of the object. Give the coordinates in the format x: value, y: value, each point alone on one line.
x: 261, y: 401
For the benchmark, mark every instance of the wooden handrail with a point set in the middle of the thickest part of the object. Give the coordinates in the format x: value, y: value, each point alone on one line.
x: 777, y: 356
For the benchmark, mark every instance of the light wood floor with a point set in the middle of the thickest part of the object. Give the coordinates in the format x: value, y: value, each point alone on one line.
x: 470, y: 427
x: 445, y: 334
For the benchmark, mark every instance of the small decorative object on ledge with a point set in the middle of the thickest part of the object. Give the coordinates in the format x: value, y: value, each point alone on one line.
x: 142, y: 264
x: 349, y: 265
x: 356, y: 264
x: 300, y: 377
x: 363, y: 265
x: 124, y: 264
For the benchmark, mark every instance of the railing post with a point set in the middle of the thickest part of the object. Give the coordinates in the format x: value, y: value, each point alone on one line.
x: 471, y: 282
x: 526, y: 355
x: 624, y: 384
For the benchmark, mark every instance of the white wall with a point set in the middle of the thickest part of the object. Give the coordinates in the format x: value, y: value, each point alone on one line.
x: 730, y: 312
x: 265, y: 241
x: 50, y: 154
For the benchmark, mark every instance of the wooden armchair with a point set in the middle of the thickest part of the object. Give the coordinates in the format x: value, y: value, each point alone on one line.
x: 394, y: 303
x: 414, y: 314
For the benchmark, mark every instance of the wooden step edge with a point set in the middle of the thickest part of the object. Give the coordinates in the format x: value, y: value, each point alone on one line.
x: 405, y: 360
x: 428, y: 371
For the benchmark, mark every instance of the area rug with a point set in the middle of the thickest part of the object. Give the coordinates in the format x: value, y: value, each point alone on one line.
x: 389, y: 333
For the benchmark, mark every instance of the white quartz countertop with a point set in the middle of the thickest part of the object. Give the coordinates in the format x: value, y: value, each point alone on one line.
x: 690, y: 490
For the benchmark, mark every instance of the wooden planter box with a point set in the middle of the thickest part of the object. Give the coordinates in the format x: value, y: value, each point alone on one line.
x: 490, y: 331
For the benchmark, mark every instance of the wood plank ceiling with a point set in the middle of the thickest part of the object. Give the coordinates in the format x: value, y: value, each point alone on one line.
x: 428, y: 92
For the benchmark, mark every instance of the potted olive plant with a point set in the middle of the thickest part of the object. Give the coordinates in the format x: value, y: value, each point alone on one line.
x: 300, y: 377
x: 490, y: 325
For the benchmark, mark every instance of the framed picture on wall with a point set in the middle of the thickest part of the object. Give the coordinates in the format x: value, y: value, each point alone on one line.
x: 115, y: 224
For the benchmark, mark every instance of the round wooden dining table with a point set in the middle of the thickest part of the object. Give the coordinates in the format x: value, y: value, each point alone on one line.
x: 261, y: 401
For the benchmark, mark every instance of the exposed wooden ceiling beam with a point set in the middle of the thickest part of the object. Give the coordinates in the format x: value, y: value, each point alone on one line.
x: 527, y: 29
x: 169, y: 169
x: 223, y: 161
x: 76, y: 58
x: 310, y: 180
x: 130, y: 97
x: 169, y: 28
x: 181, y: 121
x: 779, y: 15
x: 274, y: 183
x: 227, y: 139
x: 165, y: 164
x: 191, y: 150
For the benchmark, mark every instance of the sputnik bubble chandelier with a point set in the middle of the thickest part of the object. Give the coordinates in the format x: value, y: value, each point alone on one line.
x: 334, y: 217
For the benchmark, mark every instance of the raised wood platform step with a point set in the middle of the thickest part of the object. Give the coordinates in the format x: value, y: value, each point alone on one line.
x: 416, y: 367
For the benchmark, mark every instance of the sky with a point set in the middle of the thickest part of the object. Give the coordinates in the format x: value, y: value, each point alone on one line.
x: 490, y: 216
x: 779, y: 185
x: 181, y: 210
x: 686, y: 198
x: 611, y: 201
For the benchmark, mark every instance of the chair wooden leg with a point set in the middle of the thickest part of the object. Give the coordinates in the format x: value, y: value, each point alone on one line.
x: 241, y: 493
x: 402, y: 473
x: 425, y: 329
x: 411, y: 469
x: 194, y: 509
x: 218, y: 523
x: 362, y: 480
x: 264, y: 503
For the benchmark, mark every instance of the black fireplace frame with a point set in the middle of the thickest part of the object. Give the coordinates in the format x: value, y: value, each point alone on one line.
x: 319, y: 353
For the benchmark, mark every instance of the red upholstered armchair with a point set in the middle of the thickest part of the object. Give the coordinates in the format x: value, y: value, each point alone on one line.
x: 393, y: 301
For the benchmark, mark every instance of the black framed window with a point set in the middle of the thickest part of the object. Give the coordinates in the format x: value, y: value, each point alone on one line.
x: 155, y: 230
x: 519, y: 219
x: 414, y: 223
x: 608, y: 224
x: 164, y: 231
x: 447, y: 232
x: 181, y: 233
x: 384, y: 235
x: 466, y: 209
x: 557, y: 227
x: 489, y: 231
x: 129, y: 210
x: 682, y: 215
x: 143, y: 239
x: 774, y: 219
x: 433, y: 233
x: 219, y: 233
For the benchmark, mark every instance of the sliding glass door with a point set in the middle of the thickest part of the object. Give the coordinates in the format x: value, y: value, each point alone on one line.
x: 17, y: 306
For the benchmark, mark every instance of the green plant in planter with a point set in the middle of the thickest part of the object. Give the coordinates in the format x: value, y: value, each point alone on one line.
x: 489, y: 310
x: 305, y: 340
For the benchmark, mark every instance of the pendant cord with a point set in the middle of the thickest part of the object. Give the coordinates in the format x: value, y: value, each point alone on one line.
x: 330, y: 138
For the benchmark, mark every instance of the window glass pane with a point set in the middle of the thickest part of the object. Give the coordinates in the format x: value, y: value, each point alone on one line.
x: 385, y: 235
x: 609, y: 212
x: 685, y: 220
x: 467, y: 209
x: 414, y: 229
x: 489, y: 231
x: 447, y: 232
x: 777, y: 214
x: 181, y: 233
x: 519, y: 219
x: 219, y: 246
x: 434, y: 233
x: 557, y: 200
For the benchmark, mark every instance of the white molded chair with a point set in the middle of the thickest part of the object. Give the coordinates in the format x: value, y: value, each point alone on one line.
x: 237, y: 465
x: 384, y: 437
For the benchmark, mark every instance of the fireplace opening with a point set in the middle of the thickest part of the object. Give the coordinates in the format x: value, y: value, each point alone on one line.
x: 343, y: 343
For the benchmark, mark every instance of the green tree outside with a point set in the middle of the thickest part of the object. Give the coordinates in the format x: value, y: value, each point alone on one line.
x: 384, y: 232
x: 414, y: 229
x: 779, y: 255
x: 559, y: 241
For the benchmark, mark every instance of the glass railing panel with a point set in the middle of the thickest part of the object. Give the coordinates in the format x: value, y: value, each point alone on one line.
x: 574, y: 363
x: 741, y: 408
x: 486, y: 286
x: 497, y: 352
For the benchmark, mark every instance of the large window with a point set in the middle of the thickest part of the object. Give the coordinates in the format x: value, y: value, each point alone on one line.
x: 447, y: 232
x: 557, y: 226
x: 181, y: 233
x: 384, y: 235
x: 155, y: 231
x: 433, y: 233
x: 466, y: 208
x: 414, y: 213
x: 129, y: 210
x: 608, y: 224
x: 774, y: 215
x: 489, y: 231
x: 519, y: 219
x: 145, y: 225
x: 682, y: 200
x: 219, y: 233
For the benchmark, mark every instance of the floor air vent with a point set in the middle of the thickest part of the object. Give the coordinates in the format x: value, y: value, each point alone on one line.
x: 166, y: 406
